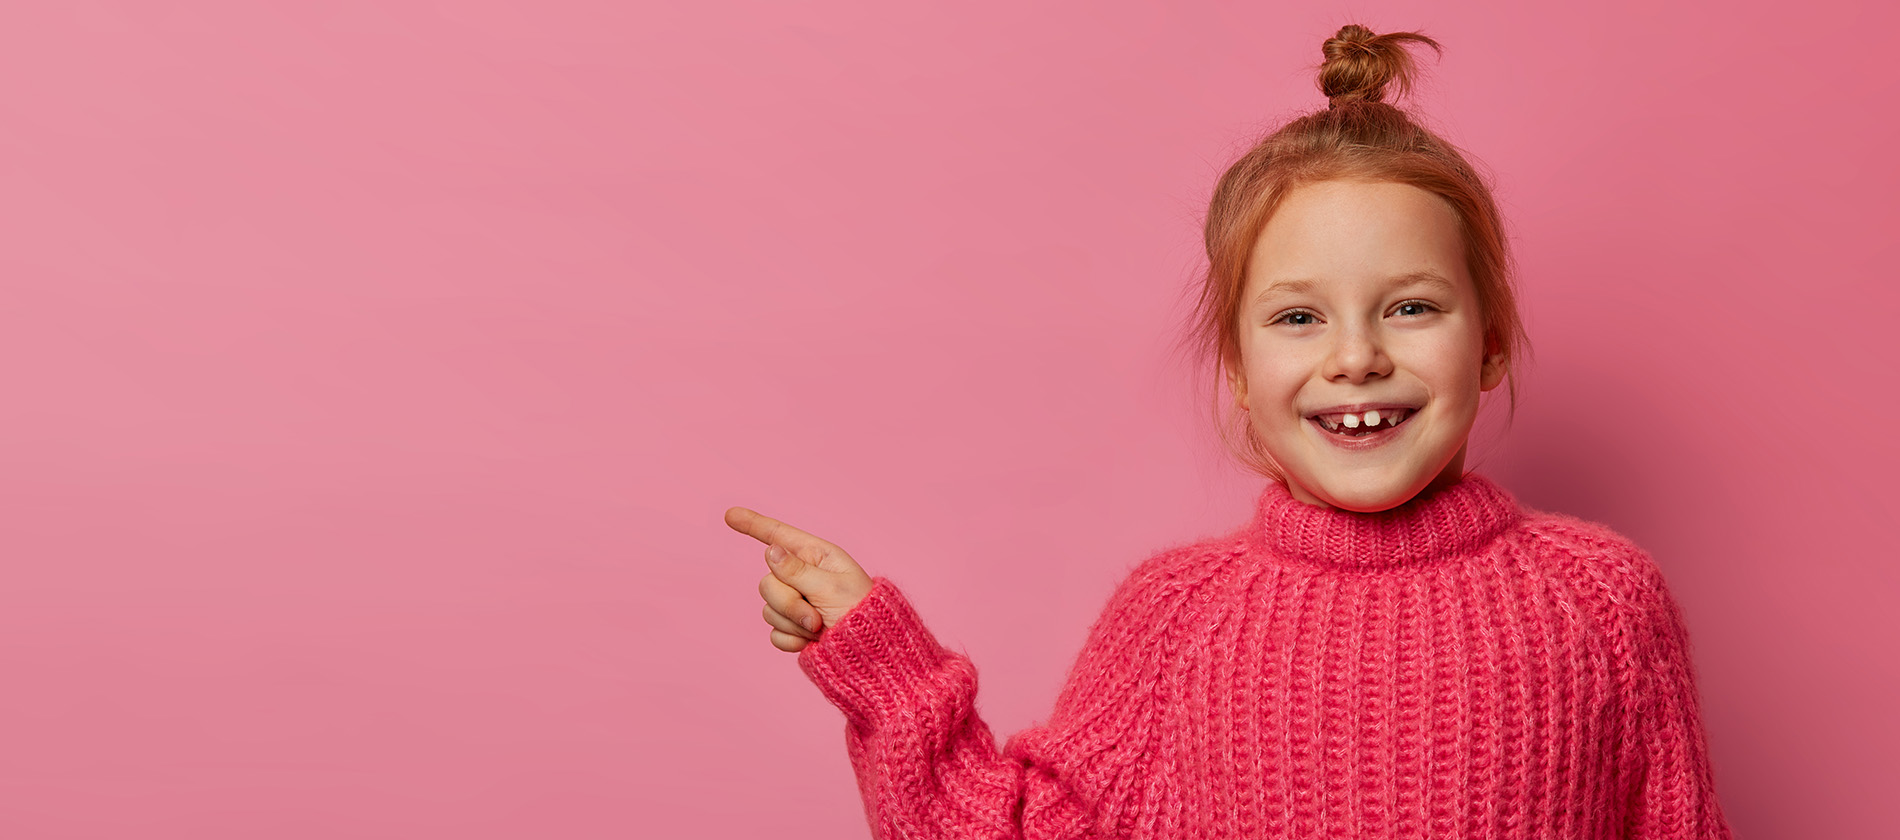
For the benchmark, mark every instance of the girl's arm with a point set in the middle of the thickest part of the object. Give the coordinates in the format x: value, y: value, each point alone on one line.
x: 928, y: 767
x: 1674, y: 794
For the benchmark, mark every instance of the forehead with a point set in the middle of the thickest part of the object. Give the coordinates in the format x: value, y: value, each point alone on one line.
x: 1357, y: 232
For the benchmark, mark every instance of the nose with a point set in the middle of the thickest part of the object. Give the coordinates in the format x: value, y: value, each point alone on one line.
x: 1357, y: 354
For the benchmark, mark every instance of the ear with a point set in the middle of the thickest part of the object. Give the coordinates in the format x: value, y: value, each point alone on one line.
x: 1237, y: 383
x: 1491, y: 372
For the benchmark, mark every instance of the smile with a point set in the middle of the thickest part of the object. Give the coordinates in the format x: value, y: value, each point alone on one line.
x: 1363, y: 429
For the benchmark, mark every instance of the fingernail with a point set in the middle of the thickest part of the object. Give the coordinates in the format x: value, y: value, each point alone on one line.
x: 810, y: 624
x: 773, y: 554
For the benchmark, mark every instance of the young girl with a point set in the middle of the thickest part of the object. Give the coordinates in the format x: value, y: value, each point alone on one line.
x: 1390, y: 647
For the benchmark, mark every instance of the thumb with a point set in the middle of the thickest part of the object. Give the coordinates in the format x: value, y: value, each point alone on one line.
x: 790, y: 568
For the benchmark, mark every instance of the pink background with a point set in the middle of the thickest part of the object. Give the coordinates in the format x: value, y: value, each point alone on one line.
x: 378, y: 374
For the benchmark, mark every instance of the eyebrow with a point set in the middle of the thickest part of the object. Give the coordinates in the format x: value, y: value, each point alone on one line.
x: 1425, y: 277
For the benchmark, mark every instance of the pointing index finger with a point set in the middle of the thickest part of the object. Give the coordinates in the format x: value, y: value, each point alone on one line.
x: 767, y: 530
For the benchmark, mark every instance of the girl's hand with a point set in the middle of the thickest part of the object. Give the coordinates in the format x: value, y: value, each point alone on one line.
x: 812, y: 584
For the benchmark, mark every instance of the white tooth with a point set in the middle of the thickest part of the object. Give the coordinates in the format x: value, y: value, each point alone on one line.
x: 1352, y: 421
x: 1329, y: 424
x: 1372, y: 417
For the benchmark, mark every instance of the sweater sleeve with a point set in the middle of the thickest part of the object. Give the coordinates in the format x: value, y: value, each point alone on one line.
x: 928, y: 767
x: 1673, y: 792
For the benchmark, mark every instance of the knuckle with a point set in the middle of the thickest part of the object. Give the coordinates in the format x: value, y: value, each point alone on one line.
x: 783, y: 601
x: 843, y: 560
x: 775, y: 591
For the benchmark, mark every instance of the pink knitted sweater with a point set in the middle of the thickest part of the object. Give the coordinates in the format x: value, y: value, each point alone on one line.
x: 1458, y: 666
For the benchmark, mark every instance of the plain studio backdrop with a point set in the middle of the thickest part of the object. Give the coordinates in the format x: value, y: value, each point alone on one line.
x: 377, y: 375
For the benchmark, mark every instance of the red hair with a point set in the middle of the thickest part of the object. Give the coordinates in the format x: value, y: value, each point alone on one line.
x: 1358, y: 136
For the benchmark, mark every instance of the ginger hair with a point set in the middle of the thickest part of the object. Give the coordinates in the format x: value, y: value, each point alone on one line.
x: 1358, y: 136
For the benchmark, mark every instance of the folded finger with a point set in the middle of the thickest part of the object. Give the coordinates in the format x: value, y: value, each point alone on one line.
x: 787, y: 642
x: 780, y: 622
x: 786, y: 601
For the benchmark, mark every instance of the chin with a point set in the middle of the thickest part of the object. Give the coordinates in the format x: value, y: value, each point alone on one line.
x: 1368, y: 496
x: 1370, y: 504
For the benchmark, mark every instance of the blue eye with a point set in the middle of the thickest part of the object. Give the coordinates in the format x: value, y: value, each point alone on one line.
x: 1305, y: 318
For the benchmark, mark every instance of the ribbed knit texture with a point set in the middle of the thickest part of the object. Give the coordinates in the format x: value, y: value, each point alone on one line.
x: 1456, y: 667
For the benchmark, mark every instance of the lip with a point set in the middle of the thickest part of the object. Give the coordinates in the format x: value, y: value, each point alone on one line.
x: 1363, y: 442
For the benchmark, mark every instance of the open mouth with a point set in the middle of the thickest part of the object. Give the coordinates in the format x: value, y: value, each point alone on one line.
x: 1364, y: 423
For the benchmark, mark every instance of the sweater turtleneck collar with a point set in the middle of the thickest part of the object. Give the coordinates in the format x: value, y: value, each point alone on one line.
x: 1445, y: 522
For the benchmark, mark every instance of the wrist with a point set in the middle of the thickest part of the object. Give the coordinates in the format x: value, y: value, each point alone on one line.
x: 877, y: 658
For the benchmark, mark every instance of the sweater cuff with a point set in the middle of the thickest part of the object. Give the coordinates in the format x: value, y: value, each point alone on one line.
x: 878, y: 660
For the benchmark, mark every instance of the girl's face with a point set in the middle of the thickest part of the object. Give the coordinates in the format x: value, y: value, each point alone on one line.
x: 1358, y: 302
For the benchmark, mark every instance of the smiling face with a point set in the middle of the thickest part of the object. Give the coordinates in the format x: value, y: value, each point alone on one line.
x: 1358, y: 301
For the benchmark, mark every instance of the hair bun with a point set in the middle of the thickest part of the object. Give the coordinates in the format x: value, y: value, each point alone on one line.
x: 1359, y: 64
